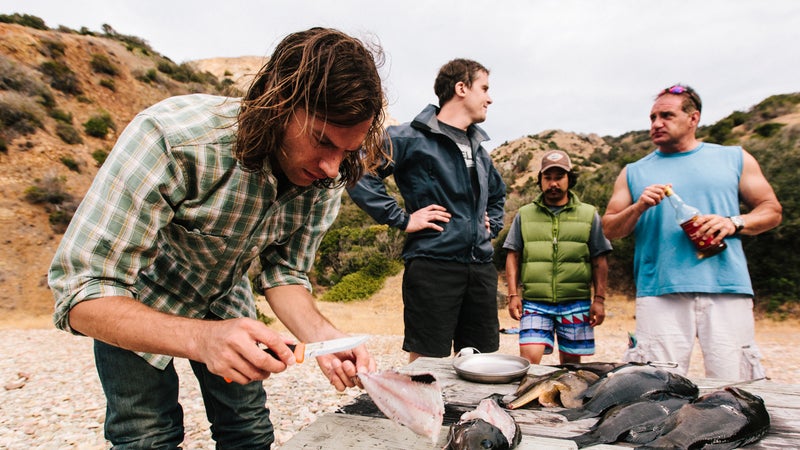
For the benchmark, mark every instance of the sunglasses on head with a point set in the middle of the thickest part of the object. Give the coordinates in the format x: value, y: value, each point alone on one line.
x: 678, y: 90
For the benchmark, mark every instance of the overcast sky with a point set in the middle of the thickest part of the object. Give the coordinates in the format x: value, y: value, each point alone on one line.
x: 586, y: 66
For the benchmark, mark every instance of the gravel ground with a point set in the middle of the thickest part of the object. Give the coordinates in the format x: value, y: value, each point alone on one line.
x: 52, y: 399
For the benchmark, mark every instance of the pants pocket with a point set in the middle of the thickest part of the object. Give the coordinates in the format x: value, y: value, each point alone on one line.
x: 751, y: 367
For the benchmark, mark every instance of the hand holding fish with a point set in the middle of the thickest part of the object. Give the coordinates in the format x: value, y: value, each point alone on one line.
x: 342, y: 368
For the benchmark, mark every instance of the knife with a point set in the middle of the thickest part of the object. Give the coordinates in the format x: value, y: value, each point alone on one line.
x: 312, y: 350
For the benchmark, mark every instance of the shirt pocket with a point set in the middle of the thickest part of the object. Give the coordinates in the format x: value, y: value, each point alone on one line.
x: 193, y: 248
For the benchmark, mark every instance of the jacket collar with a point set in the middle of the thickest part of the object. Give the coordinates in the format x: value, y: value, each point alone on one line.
x: 427, y: 121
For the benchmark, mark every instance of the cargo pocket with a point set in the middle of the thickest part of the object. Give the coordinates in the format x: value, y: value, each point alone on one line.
x: 634, y: 353
x: 751, y: 367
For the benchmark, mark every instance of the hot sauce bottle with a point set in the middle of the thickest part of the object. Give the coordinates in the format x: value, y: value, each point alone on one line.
x: 687, y: 216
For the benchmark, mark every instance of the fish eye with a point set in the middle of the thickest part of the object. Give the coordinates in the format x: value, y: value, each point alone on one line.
x: 486, y: 443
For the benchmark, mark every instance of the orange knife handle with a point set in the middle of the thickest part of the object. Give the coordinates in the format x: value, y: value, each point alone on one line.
x: 300, y: 352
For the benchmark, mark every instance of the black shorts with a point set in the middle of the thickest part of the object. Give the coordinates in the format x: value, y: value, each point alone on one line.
x: 449, y: 306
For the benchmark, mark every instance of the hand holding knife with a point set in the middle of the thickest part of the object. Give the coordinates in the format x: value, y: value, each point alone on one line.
x: 312, y: 350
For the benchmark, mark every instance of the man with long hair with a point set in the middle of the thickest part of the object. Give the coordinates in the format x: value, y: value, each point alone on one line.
x: 155, y: 262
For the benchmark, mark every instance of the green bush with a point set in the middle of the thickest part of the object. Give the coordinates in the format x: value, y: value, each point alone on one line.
x: 768, y: 129
x: 71, y: 163
x: 98, y: 125
x: 3, y: 145
x: 101, y: 64
x: 61, y: 77
x: 53, y: 49
x: 48, y: 190
x: 109, y: 84
x: 24, y: 20
x: 17, y: 78
x: 355, y: 286
x: 68, y: 133
x: 61, y: 116
x: 19, y: 115
x: 100, y: 156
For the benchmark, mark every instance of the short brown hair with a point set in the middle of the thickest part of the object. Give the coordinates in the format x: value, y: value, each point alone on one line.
x: 331, y: 75
x: 456, y: 71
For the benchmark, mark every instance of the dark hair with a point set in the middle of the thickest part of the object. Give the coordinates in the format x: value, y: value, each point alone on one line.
x: 691, y: 99
x: 331, y: 75
x: 456, y: 71
x: 572, y: 177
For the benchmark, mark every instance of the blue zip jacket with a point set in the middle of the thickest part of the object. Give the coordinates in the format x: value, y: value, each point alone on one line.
x: 428, y: 169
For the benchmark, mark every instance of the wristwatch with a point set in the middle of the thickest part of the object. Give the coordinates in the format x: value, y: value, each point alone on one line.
x: 738, y: 222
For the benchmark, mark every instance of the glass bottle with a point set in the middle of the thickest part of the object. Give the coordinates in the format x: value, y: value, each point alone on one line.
x: 686, y: 216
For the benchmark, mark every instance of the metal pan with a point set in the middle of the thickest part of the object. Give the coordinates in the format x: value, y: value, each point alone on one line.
x: 494, y: 368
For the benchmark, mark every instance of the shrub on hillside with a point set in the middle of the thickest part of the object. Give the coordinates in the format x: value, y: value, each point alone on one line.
x: 52, y: 49
x: 61, y: 77
x: 101, y: 64
x: 25, y: 20
x: 68, y: 133
x: 100, y: 156
x: 17, y: 78
x: 50, y: 190
x: 98, y: 125
x: 19, y: 115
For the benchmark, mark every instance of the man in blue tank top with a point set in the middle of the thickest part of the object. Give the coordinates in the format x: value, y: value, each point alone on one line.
x: 680, y: 297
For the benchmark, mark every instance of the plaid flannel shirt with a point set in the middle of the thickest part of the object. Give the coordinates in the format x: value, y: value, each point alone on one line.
x: 173, y: 221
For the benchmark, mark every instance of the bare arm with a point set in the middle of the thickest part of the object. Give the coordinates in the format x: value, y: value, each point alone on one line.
x: 597, y: 312
x: 622, y: 212
x: 512, y: 280
x: 765, y: 210
x: 295, y: 307
x: 227, y: 347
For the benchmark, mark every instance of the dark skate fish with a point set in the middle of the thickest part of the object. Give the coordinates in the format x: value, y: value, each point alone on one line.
x: 598, y: 368
x: 722, y: 420
x: 631, y: 421
x: 411, y: 400
x: 628, y: 385
x: 488, y: 426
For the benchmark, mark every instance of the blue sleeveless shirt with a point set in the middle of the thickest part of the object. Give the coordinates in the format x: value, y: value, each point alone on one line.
x: 665, y: 260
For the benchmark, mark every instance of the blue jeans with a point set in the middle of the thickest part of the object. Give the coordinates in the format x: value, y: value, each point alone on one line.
x: 143, y: 412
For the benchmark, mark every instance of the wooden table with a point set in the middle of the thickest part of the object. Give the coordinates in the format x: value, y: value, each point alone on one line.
x: 362, y: 426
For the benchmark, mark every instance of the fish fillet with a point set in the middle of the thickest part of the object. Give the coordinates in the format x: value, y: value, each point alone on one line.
x: 414, y: 401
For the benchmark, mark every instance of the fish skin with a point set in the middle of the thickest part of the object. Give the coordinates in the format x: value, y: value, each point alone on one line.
x: 414, y: 401
x: 640, y: 417
x: 573, y: 384
x: 540, y: 384
x: 596, y: 367
x: 721, y: 420
x: 488, y: 426
x: 531, y: 380
x: 629, y: 385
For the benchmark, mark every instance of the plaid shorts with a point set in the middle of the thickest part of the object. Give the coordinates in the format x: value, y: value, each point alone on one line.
x: 541, y: 322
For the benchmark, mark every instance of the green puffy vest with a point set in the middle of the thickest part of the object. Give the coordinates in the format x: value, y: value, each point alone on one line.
x: 555, y: 264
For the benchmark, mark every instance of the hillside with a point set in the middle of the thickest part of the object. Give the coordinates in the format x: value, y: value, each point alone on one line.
x: 116, y: 76
x: 36, y: 156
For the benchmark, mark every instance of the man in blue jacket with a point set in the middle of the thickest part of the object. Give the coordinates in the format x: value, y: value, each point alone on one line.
x: 454, y: 201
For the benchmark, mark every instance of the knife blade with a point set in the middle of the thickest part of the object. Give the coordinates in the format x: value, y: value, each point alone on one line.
x: 313, y: 349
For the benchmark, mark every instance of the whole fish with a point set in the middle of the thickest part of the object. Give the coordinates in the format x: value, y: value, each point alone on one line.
x: 631, y: 422
x: 628, y: 385
x: 596, y: 367
x: 488, y: 426
x: 414, y: 401
x: 721, y: 420
x: 545, y: 386
x: 559, y: 388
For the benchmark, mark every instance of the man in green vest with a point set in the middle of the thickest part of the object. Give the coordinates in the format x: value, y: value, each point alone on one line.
x: 557, y: 257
